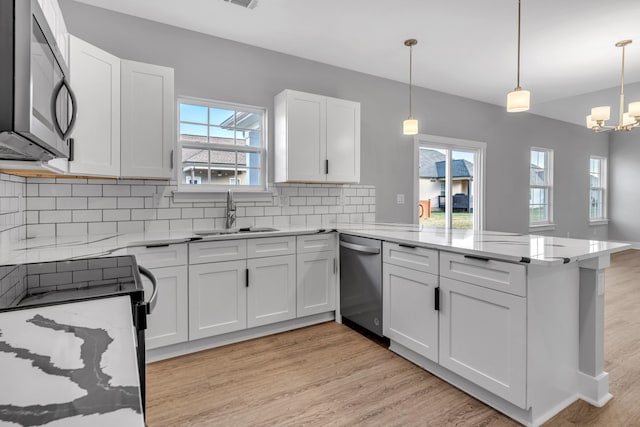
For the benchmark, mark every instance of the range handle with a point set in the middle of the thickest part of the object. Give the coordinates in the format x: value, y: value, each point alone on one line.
x: 151, y: 304
x: 371, y: 250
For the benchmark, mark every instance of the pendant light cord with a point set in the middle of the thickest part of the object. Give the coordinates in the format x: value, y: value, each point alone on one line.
x: 410, y: 78
x: 518, y: 83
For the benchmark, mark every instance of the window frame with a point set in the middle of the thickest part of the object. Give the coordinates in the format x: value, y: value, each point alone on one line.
x: 262, y: 150
x: 603, y: 188
x: 547, y: 187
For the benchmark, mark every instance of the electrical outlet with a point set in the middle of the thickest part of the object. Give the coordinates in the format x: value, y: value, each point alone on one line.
x: 400, y: 199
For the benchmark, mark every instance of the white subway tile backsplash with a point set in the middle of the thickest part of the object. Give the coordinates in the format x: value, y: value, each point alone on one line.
x: 130, y: 202
x: 103, y: 228
x: 130, y: 227
x: 53, y: 217
x: 93, y: 190
x: 180, y: 224
x: 143, y: 214
x: 102, y: 203
x: 71, y: 203
x: 74, y: 229
x: 116, y: 190
x: 40, y: 203
x: 87, y: 216
x: 104, y: 206
x: 54, y: 190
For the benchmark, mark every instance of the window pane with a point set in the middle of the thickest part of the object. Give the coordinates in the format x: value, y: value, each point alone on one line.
x: 221, y: 117
x: 195, y: 165
x: 247, y: 120
x: 193, y: 113
x: 538, y: 213
x: 595, y: 180
x: 192, y: 130
x: 220, y: 135
x: 594, y: 165
x: 596, y: 210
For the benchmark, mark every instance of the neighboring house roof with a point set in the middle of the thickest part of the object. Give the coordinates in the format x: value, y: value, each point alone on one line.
x: 428, y: 160
x: 461, y: 169
x: 218, y: 158
x: 432, y: 165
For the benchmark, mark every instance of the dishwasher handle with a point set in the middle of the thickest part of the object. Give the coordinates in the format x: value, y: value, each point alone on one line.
x: 360, y: 248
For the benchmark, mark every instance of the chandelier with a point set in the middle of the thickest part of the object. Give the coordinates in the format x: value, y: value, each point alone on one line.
x: 626, y: 121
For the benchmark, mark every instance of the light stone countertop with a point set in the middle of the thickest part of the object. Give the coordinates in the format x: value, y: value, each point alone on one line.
x: 512, y: 247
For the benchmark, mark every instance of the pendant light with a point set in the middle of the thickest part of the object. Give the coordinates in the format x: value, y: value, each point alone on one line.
x: 626, y: 121
x: 518, y: 100
x: 410, y: 126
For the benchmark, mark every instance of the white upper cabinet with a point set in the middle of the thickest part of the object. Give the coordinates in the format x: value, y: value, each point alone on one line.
x: 125, y: 115
x: 317, y: 138
x: 147, y: 120
x: 95, y: 77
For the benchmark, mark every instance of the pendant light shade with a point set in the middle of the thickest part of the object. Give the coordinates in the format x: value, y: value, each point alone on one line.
x: 410, y: 126
x: 518, y: 100
x: 626, y: 121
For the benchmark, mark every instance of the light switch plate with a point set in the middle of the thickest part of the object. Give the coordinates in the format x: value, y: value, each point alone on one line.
x: 400, y: 199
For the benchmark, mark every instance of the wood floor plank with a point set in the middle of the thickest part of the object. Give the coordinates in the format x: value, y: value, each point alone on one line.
x: 330, y: 375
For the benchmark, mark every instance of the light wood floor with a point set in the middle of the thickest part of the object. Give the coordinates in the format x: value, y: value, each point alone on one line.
x: 330, y: 375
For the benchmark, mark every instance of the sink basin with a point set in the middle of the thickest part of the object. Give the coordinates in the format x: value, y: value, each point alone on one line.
x: 221, y: 231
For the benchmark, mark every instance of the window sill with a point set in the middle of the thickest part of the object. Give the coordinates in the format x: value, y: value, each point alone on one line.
x: 211, y: 195
x: 598, y: 222
x: 541, y: 227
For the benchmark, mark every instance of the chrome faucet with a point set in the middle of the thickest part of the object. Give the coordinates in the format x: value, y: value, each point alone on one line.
x: 230, y: 211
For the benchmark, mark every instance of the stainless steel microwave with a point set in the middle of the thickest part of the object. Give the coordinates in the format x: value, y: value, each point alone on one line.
x: 37, y: 105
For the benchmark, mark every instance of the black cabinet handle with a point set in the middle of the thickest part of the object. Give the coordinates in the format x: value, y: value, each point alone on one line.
x: 326, y: 166
x: 246, y: 277
x: 479, y: 258
x: 403, y: 245
x: 159, y: 245
x: 436, y: 295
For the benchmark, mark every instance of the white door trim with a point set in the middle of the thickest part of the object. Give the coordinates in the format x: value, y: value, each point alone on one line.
x: 453, y: 144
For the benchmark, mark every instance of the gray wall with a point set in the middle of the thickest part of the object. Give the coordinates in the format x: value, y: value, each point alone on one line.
x: 624, y: 196
x: 215, y: 68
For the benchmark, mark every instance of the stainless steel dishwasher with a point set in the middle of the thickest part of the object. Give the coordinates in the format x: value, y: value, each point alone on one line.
x: 361, y: 282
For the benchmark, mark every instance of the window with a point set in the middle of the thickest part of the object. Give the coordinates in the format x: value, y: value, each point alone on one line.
x: 540, y: 187
x: 221, y: 146
x: 598, y: 187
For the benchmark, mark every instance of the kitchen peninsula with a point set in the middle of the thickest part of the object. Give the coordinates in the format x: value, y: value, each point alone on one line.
x: 516, y: 320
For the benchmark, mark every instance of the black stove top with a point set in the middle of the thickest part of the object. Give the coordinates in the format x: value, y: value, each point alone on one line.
x: 57, y: 282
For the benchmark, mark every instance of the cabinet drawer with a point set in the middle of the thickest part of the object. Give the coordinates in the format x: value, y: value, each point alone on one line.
x: 223, y: 250
x: 492, y: 274
x: 271, y: 246
x: 415, y: 258
x: 317, y: 242
x: 160, y: 256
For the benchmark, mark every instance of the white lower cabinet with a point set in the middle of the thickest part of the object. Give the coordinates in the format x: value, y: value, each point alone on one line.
x: 316, y: 282
x: 483, y: 338
x: 168, y: 323
x: 408, y: 314
x: 217, y: 298
x: 271, y: 290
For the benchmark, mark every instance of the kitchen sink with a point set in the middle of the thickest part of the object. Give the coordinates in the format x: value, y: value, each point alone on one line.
x: 222, y: 231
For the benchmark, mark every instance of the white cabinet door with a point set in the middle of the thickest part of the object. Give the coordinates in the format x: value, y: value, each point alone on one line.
x: 343, y: 140
x: 169, y: 322
x: 271, y: 290
x: 409, y: 316
x: 95, y: 76
x: 316, y: 282
x: 147, y: 120
x: 304, y: 136
x: 483, y: 338
x: 217, y: 298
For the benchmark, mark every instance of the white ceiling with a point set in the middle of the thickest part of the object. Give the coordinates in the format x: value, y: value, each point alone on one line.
x: 465, y: 47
